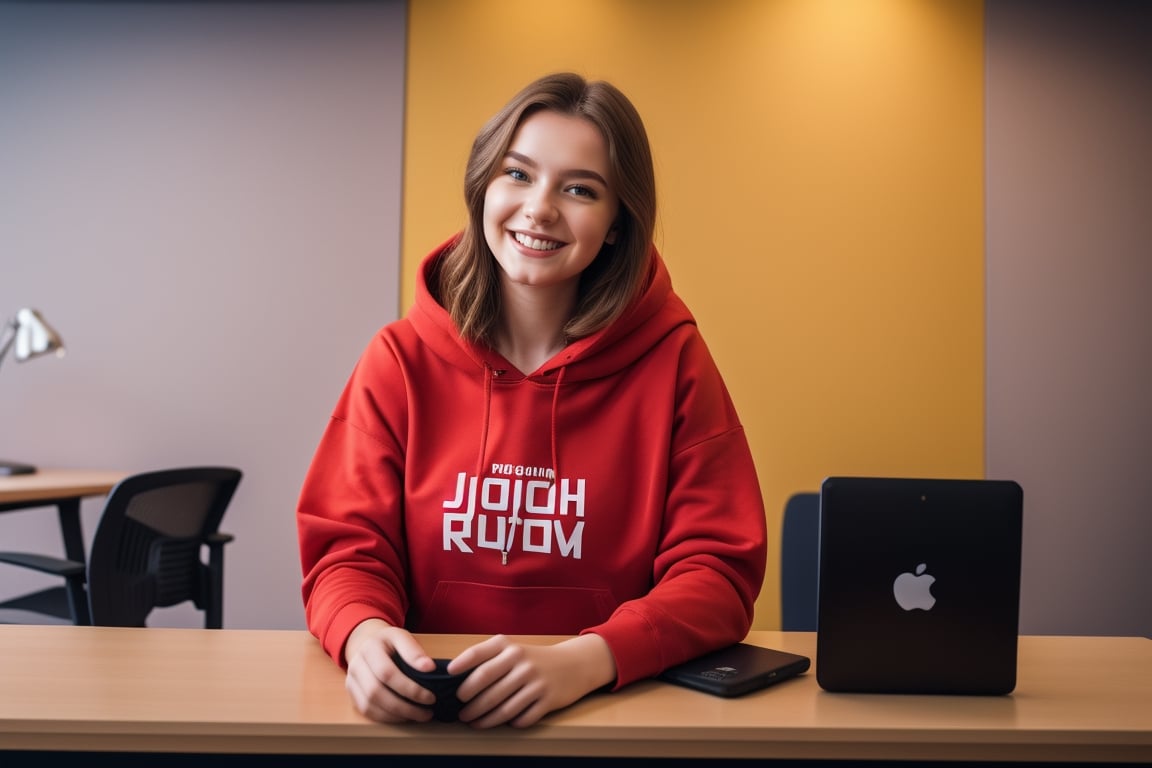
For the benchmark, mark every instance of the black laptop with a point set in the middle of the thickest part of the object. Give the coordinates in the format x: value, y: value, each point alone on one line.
x: 919, y: 585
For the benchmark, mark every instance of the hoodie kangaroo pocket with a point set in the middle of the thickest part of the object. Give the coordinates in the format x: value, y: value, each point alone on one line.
x: 463, y: 607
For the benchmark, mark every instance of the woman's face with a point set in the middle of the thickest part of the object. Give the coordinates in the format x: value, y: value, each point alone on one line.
x: 551, y: 206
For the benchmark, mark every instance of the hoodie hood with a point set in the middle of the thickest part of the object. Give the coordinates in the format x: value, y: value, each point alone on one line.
x: 655, y: 313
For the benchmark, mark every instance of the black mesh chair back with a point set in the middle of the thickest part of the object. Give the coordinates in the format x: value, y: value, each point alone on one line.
x: 147, y: 550
x: 800, y: 563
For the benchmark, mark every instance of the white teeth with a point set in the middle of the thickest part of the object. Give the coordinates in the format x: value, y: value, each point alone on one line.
x: 536, y: 245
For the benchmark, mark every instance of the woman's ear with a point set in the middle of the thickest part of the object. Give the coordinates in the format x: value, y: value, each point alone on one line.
x: 610, y: 238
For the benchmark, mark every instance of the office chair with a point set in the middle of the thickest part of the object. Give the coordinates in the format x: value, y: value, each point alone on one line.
x: 800, y: 563
x: 146, y: 554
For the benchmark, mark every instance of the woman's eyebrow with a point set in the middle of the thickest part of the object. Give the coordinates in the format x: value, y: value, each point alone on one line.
x: 576, y: 173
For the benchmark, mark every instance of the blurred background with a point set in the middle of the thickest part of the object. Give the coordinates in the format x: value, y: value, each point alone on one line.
x: 915, y: 234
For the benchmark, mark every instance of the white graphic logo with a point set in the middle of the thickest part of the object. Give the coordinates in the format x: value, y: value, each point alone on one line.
x: 914, y: 590
x: 536, y: 515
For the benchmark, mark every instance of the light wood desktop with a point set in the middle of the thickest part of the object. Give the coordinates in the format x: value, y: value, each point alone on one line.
x: 46, y: 485
x: 63, y: 489
x: 275, y: 692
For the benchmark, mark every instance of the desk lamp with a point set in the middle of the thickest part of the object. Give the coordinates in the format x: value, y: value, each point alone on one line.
x: 32, y: 337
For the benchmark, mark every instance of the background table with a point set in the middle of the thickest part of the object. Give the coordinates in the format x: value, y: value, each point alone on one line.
x: 63, y: 489
x: 158, y: 691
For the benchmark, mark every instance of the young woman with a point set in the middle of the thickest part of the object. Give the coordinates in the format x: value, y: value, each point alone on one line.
x: 543, y: 446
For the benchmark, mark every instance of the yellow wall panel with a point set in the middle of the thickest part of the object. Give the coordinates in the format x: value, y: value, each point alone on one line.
x: 820, y: 173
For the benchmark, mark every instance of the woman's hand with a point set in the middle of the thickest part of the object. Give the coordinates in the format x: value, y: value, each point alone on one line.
x: 378, y: 688
x: 518, y: 683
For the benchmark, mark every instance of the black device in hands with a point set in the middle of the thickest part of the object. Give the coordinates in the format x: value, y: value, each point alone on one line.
x: 440, y: 682
x: 737, y: 669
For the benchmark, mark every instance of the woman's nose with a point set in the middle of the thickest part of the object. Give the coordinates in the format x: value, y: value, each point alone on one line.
x: 539, y: 207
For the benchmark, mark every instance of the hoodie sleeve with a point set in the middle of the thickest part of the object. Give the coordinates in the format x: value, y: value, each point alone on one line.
x: 349, y: 513
x: 712, y: 555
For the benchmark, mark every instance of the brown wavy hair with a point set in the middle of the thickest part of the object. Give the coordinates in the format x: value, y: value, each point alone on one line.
x: 467, y: 283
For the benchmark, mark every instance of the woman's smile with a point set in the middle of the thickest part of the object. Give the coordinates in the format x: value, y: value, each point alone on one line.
x: 535, y: 243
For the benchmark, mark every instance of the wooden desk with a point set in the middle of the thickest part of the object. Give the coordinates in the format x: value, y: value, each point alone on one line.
x: 63, y: 489
x: 275, y: 692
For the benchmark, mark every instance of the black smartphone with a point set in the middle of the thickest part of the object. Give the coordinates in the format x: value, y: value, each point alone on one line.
x: 737, y: 670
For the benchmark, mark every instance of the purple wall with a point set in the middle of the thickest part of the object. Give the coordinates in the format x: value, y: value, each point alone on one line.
x: 204, y: 199
x: 1069, y: 303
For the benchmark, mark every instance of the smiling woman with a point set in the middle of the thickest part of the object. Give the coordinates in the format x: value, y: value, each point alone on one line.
x: 543, y: 446
x: 562, y: 130
x: 545, y: 221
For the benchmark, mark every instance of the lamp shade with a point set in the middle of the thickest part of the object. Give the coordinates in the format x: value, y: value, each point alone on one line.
x: 34, y: 337
x: 29, y: 336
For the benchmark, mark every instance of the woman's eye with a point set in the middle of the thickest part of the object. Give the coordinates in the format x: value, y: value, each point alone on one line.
x: 581, y: 191
x: 516, y: 174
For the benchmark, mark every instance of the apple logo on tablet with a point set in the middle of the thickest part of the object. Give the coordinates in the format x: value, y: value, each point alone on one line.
x: 914, y: 590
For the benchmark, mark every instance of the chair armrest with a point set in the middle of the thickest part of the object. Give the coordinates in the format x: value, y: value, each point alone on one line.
x: 219, y: 538
x: 43, y: 563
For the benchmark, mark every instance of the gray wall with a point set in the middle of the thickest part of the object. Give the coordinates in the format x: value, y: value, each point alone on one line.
x: 1069, y: 302
x: 204, y: 200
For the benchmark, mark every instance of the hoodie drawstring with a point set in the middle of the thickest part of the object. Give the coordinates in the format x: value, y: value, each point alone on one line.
x: 515, y: 521
x: 555, y: 411
x: 488, y: 374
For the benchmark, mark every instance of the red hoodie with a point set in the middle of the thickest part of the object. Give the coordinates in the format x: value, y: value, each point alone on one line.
x: 430, y: 502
